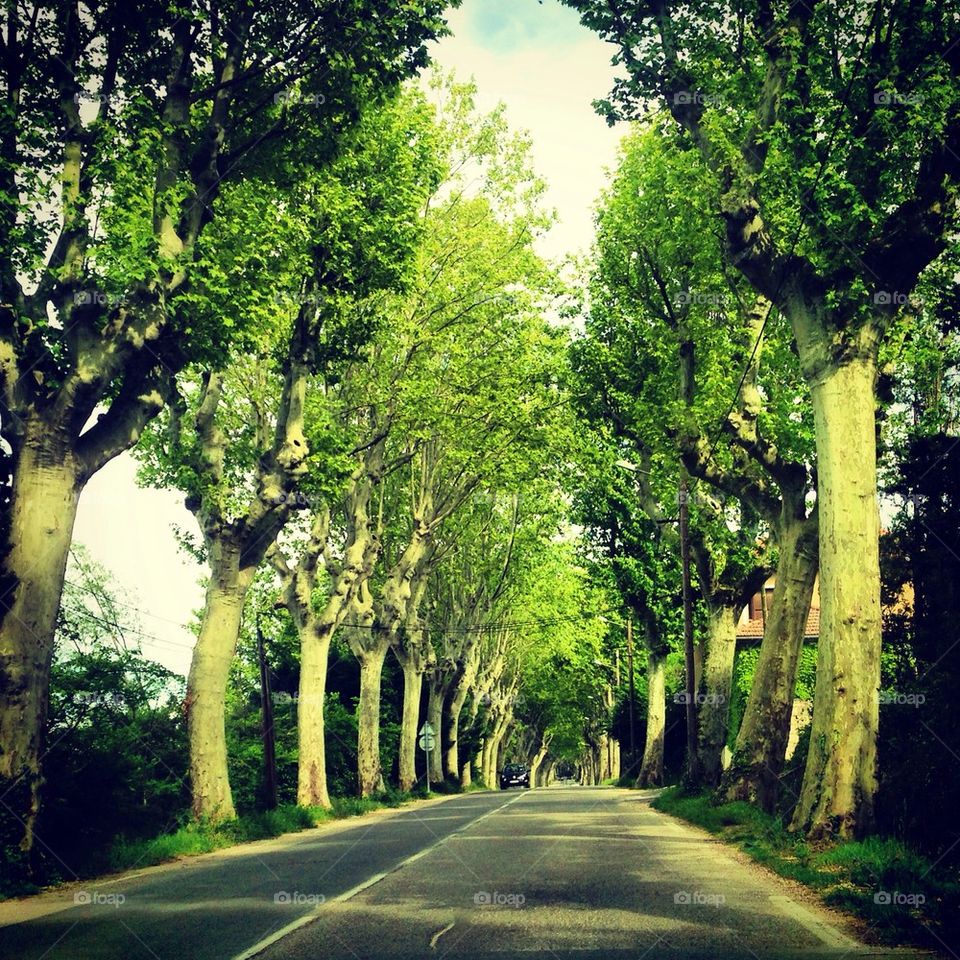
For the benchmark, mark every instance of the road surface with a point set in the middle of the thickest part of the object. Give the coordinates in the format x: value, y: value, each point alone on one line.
x: 566, y: 872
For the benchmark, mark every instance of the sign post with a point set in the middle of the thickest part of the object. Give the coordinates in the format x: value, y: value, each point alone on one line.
x: 427, y: 742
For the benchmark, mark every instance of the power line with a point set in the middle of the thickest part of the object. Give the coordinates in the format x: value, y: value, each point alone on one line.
x: 502, y: 624
x: 133, y: 631
x: 129, y: 606
x: 474, y: 628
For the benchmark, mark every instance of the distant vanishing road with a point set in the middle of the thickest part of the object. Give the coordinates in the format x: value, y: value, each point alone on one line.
x: 564, y: 872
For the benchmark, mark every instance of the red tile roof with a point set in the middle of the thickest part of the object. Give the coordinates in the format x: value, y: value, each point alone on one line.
x: 753, y: 629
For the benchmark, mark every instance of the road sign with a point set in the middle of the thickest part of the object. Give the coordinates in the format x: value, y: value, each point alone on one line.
x: 427, y: 741
x: 427, y: 730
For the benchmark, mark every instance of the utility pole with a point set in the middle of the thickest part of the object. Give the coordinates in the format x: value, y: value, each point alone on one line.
x: 266, y: 725
x: 630, y: 673
x: 693, y: 763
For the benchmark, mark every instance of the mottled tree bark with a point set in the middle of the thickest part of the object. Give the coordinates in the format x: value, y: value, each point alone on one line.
x: 760, y: 749
x: 840, y: 781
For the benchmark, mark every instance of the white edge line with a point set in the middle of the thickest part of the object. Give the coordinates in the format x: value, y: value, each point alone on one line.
x: 262, y: 945
x: 822, y: 930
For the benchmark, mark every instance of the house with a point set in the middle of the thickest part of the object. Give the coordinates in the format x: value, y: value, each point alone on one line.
x: 753, y: 616
x: 750, y: 633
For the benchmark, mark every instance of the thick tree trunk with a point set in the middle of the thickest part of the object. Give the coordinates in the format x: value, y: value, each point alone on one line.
x: 840, y: 781
x: 651, y: 770
x: 466, y: 774
x: 42, y: 511
x: 369, y: 772
x: 761, y: 745
x: 409, y: 724
x: 207, y: 690
x: 312, y: 756
x: 714, y: 711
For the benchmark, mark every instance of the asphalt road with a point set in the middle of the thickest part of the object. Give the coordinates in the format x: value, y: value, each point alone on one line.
x: 556, y: 873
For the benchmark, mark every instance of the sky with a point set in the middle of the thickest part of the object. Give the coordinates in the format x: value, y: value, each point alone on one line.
x: 535, y: 58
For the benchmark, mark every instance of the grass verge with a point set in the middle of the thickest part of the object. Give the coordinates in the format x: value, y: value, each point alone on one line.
x: 901, y: 895
x: 198, y: 837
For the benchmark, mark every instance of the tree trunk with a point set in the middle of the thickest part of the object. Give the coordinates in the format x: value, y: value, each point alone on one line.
x: 718, y: 679
x: 435, y: 717
x: 369, y: 772
x: 312, y: 756
x: 491, y: 749
x: 840, y: 782
x: 207, y: 690
x: 409, y: 723
x: 651, y: 770
x: 535, y: 763
x: 762, y: 740
x: 485, y: 760
x: 466, y: 774
x: 496, y: 760
x: 42, y: 511
x: 604, y: 747
x: 451, y: 756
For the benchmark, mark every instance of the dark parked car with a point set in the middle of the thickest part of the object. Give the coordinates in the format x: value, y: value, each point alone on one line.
x: 514, y: 775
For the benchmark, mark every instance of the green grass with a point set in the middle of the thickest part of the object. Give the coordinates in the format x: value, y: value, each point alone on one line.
x: 199, y: 837
x: 864, y: 877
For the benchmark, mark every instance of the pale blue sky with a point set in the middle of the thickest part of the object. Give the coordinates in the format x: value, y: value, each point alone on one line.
x: 509, y: 25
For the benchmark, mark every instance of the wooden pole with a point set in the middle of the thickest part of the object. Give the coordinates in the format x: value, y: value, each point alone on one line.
x: 266, y: 725
x: 630, y: 673
x: 693, y: 762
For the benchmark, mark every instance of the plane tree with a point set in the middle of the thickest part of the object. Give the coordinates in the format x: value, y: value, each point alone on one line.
x: 121, y: 128
x: 664, y: 291
x: 238, y: 441
x: 831, y: 134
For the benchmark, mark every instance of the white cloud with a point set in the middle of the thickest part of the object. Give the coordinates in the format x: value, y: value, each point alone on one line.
x: 548, y: 90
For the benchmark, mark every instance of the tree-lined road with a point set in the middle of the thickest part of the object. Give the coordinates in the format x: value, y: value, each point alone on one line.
x: 555, y: 873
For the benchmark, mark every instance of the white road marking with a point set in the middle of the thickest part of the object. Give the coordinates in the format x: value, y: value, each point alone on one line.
x: 827, y: 934
x: 262, y: 945
x: 439, y: 934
